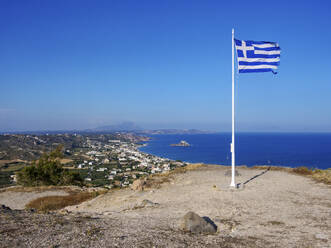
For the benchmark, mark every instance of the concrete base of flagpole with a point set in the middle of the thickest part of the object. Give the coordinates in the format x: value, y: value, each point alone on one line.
x: 238, y: 187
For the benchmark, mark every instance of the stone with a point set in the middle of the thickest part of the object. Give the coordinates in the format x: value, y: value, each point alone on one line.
x: 192, y: 222
x: 144, y: 204
x: 64, y: 211
x: 148, y: 203
x: 241, y: 186
x: 5, y: 208
x: 321, y: 236
x: 138, y: 185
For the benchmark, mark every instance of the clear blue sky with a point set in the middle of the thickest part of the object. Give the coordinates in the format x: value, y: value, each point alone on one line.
x: 69, y: 64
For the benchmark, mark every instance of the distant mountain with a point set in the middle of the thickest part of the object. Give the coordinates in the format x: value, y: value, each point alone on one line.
x: 122, y: 127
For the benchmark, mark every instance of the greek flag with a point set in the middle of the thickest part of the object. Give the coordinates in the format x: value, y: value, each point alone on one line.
x: 257, y: 56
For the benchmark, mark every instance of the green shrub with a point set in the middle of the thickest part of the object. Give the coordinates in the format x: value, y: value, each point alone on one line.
x: 48, y: 171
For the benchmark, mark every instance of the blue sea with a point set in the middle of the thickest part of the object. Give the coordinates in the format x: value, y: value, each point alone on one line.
x: 282, y: 149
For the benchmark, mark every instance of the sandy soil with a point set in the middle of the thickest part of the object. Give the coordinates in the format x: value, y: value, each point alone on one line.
x: 278, y: 208
x: 275, y: 209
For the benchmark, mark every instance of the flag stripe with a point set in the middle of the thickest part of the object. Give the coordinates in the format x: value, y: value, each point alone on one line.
x: 266, y: 45
x: 258, y: 59
x: 266, y: 48
x: 258, y: 63
x: 266, y: 52
x: 250, y: 54
x: 254, y: 70
x: 257, y: 66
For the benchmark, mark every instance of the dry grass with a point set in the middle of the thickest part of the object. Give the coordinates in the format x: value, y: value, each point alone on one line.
x: 322, y: 176
x: 273, y: 168
x: 48, y: 203
x: 65, y: 161
x: 177, y: 170
x: 12, y: 161
x: 302, y: 171
x: 155, y: 180
x: 68, y: 189
x: 184, y: 169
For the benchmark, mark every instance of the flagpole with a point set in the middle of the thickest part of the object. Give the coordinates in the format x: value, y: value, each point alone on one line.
x: 233, y: 184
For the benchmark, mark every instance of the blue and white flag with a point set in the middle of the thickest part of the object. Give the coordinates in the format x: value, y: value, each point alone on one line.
x: 257, y: 56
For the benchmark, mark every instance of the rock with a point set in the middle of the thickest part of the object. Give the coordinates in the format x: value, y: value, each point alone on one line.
x: 241, y: 186
x: 191, y: 222
x: 148, y: 203
x: 4, y: 208
x: 64, y: 211
x: 228, y: 173
x: 321, y: 236
x: 138, y: 185
x: 144, y: 204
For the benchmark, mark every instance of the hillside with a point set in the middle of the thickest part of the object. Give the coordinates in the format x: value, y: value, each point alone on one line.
x: 274, y: 209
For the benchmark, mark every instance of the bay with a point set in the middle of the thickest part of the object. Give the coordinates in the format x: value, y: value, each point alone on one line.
x: 280, y: 149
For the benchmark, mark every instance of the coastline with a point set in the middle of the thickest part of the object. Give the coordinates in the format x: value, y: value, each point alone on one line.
x: 290, y: 150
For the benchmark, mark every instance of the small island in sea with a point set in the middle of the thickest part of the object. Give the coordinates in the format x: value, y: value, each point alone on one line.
x: 181, y: 143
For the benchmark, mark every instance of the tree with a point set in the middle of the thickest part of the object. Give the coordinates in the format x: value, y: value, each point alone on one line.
x: 48, y: 171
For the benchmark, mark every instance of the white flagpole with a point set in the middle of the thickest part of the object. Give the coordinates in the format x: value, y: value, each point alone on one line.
x: 233, y: 184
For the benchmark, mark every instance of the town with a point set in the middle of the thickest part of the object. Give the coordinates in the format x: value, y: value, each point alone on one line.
x: 102, y: 160
x: 118, y: 163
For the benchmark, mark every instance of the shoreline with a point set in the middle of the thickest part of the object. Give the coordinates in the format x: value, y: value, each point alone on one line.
x: 248, y: 164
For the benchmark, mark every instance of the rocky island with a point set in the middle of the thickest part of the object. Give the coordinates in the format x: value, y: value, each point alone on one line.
x: 181, y: 143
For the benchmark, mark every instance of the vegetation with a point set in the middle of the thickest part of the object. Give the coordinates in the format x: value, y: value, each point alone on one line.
x: 49, y: 203
x: 5, y: 178
x: 322, y: 176
x: 155, y: 180
x: 303, y: 171
x: 7, y: 169
x: 48, y: 171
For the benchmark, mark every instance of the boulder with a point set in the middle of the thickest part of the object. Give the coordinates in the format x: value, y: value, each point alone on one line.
x: 191, y: 222
x: 138, y: 185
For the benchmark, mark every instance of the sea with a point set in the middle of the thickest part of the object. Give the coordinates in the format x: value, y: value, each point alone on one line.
x: 312, y: 150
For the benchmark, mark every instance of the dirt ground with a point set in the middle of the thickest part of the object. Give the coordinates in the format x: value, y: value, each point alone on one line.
x: 18, y: 200
x: 274, y: 209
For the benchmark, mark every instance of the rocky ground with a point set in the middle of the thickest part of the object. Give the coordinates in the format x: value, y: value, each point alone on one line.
x: 274, y: 209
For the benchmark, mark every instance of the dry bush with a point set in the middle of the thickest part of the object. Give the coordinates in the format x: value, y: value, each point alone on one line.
x: 49, y: 203
x: 323, y: 176
x: 302, y: 171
